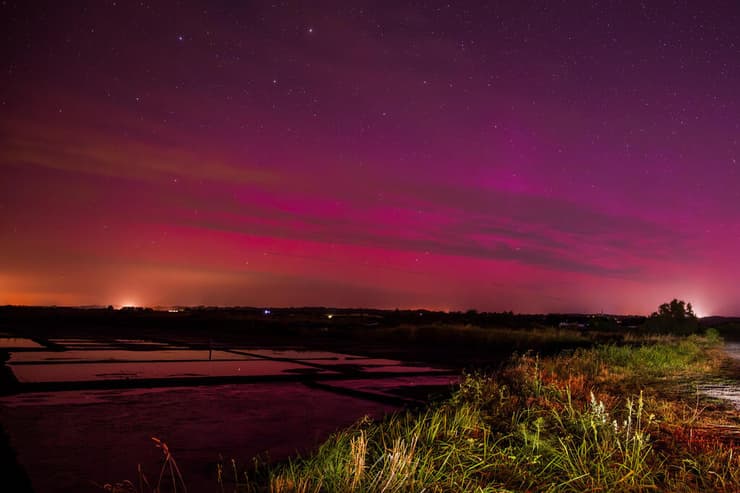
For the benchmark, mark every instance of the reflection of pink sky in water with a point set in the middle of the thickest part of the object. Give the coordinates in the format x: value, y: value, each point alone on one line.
x: 75, y: 372
x: 65, y: 440
x: 198, y: 423
x: 83, y: 343
x: 298, y: 354
x: 68, y: 397
x: 392, y: 383
x: 383, y: 386
x: 323, y: 357
x: 117, y: 364
x: 390, y: 386
x: 18, y: 343
x: 727, y: 389
x: 396, y: 369
x: 366, y: 362
x: 123, y: 355
x: 79, y: 342
x: 304, y: 355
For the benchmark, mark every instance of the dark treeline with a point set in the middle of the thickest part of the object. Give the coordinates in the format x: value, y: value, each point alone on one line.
x: 286, y: 323
x: 306, y: 317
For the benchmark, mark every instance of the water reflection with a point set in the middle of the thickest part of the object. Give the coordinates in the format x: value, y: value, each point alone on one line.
x: 84, y: 360
x: 81, y: 372
x: 727, y: 389
x: 18, y: 343
x: 122, y: 355
x: 66, y: 441
x: 66, y: 438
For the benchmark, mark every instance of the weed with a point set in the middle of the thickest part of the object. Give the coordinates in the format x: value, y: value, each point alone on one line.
x: 580, y: 421
x: 169, y: 476
x: 597, y: 419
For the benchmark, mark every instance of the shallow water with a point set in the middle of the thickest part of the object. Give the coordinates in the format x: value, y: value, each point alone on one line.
x: 727, y: 388
x: 17, y: 343
x: 122, y: 355
x: 82, y: 372
x: 65, y: 440
x: 82, y: 360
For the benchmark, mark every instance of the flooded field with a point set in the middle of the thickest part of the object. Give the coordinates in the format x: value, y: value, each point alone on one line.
x: 8, y: 342
x: 80, y: 410
x: 84, y: 409
x: 727, y: 388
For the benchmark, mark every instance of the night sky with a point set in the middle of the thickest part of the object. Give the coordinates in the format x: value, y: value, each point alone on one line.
x: 526, y: 156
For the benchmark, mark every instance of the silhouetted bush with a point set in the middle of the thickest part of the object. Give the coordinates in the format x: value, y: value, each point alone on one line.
x: 676, y: 317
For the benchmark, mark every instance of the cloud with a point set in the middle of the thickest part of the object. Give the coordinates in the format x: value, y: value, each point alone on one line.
x: 368, y: 208
x: 496, y: 225
x: 82, y: 148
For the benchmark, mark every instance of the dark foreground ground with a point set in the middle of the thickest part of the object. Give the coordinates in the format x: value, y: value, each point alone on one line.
x: 446, y: 342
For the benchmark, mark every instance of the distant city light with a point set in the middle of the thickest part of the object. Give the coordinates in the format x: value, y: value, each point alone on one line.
x: 267, y: 311
x: 698, y: 311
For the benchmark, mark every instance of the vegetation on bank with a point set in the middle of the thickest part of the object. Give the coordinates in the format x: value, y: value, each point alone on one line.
x: 607, y: 418
x: 616, y: 412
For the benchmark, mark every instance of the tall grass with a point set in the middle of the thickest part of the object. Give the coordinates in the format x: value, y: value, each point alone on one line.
x: 588, y: 420
x: 551, y: 424
x: 168, y: 479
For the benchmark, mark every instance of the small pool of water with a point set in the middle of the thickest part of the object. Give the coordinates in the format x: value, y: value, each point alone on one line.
x: 727, y: 388
x: 90, y: 360
x: 297, y: 354
x: 67, y: 440
x: 122, y: 355
x: 397, y: 386
x: 127, y: 370
x: 18, y: 343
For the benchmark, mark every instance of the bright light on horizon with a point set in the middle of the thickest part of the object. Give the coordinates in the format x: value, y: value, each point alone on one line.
x: 698, y: 311
x: 129, y: 303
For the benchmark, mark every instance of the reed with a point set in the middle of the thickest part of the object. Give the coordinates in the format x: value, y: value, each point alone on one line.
x: 168, y: 479
x: 600, y: 419
x: 587, y: 420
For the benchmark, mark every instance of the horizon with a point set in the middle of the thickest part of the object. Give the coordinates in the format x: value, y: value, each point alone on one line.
x: 508, y: 157
x: 343, y: 308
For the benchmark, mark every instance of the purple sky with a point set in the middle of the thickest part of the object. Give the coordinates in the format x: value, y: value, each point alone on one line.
x: 526, y: 156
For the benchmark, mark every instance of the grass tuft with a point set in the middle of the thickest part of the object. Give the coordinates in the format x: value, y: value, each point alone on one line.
x: 610, y: 418
x: 586, y: 420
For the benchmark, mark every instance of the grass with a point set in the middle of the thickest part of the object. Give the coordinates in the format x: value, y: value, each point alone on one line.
x: 599, y: 419
x: 609, y: 418
x: 169, y: 477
